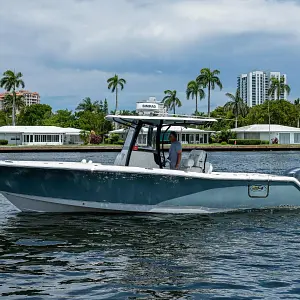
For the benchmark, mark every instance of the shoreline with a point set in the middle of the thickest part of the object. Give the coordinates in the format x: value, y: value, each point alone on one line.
x: 117, y: 148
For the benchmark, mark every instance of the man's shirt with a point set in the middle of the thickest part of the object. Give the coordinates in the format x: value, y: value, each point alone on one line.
x: 173, y: 153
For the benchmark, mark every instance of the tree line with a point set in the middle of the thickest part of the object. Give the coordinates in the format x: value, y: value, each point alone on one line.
x: 90, y: 115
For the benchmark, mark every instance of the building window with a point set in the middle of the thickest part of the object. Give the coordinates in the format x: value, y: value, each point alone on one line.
x: 191, y: 139
x: 201, y: 140
x: 297, y: 138
x: 187, y: 138
x: 252, y: 135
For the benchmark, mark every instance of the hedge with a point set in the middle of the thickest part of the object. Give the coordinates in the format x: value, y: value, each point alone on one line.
x: 3, y: 142
x: 247, y: 142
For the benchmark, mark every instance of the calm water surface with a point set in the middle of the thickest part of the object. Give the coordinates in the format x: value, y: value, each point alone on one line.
x: 252, y: 255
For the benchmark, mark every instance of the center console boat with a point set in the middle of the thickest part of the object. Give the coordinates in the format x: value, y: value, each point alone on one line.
x: 140, y: 180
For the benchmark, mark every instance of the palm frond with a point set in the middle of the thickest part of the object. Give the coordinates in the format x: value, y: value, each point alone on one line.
x: 230, y: 96
x: 9, y: 73
x: 218, y: 82
x: 178, y: 102
x: 287, y: 88
x: 168, y: 92
x: 215, y: 72
x: 165, y: 99
x: 189, y: 93
x: 201, y: 93
x: 11, y: 80
x: 205, y: 71
x: 229, y: 106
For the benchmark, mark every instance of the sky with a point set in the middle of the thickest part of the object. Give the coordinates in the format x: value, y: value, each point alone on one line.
x: 67, y: 49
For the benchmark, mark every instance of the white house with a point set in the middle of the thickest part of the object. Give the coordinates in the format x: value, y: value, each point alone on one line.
x: 284, y: 134
x: 40, y: 135
x: 185, y: 135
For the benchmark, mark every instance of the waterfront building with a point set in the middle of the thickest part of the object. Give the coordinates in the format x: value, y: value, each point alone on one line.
x: 184, y: 135
x: 29, y: 97
x: 286, y: 135
x: 40, y: 135
x: 254, y: 86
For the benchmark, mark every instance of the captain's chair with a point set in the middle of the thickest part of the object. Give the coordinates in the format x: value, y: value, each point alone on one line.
x: 196, y: 162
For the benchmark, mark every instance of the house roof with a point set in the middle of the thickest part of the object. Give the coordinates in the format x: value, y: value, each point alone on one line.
x: 38, y: 129
x: 265, y: 128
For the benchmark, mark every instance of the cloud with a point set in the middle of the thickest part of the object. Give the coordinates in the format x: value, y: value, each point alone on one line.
x: 71, y: 47
x: 95, y: 31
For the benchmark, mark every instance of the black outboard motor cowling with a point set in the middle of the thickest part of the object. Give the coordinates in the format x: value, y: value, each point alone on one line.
x: 295, y: 172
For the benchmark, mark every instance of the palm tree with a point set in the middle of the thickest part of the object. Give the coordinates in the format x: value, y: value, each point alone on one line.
x: 11, y: 81
x: 277, y: 86
x: 297, y: 104
x: 113, y: 84
x: 237, y: 105
x: 209, y: 79
x: 193, y: 90
x: 171, y: 100
x: 87, y: 105
x: 9, y: 102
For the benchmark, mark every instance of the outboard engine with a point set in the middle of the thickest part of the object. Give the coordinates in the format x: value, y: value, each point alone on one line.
x: 295, y: 172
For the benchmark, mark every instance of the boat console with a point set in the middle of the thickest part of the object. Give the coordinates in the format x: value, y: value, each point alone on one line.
x: 152, y: 154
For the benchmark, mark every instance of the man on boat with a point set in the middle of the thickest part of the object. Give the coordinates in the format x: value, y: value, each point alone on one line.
x: 175, y: 151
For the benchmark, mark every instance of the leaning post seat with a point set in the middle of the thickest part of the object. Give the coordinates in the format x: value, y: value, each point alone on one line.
x: 199, y: 157
x: 196, y: 162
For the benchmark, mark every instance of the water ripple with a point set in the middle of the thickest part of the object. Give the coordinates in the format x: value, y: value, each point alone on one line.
x: 253, y: 255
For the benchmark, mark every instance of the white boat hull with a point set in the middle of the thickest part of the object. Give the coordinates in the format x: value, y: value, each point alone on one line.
x: 77, y: 187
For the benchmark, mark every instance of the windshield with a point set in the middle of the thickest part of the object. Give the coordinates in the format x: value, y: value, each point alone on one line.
x: 146, y: 138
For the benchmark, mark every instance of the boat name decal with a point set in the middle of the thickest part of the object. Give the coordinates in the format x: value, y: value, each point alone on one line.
x: 258, y: 188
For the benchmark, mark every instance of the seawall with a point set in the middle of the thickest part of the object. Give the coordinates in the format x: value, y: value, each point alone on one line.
x: 113, y: 148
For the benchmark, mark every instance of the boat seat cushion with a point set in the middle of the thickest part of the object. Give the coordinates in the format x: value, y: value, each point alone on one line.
x: 196, y: 162
x: 188, y: 163
x: 199, y: 157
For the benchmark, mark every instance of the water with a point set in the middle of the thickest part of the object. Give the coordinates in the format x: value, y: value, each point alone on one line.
x: 227, y: 256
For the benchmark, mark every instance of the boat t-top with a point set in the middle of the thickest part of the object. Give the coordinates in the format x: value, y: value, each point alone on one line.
x: 140, y: 180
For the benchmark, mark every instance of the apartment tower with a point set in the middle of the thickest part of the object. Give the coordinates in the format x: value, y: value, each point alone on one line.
x: 254, y: 86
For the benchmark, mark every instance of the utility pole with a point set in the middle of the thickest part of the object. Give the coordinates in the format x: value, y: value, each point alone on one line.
x: 269, y: 122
